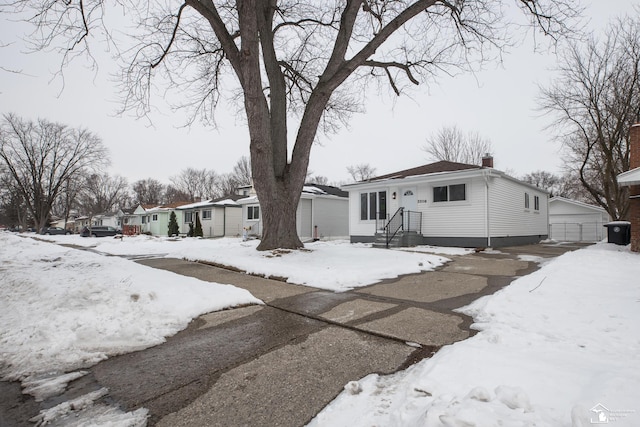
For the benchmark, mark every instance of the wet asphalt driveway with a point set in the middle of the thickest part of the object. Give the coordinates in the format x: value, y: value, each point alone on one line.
x: 281, y: 363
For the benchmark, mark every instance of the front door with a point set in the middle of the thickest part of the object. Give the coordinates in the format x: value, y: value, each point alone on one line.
x: 409, y: 202
x: 409, y: 199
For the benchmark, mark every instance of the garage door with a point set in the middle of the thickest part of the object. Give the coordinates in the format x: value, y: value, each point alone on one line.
x: 576, y: 228
x: 304, y: 225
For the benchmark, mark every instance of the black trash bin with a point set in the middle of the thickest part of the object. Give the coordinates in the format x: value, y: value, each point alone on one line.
x: 619, y: 232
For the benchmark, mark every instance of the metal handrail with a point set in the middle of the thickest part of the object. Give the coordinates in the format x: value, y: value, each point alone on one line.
x: 401, y: 220
x: 413, y: 221
x: 395, y: 224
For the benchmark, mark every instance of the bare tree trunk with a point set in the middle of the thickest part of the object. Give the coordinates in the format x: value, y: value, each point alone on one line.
x: 279, y: 220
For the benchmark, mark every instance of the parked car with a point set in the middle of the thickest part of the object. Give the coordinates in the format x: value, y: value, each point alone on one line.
x: 54, y: 230
x: 99, y: 231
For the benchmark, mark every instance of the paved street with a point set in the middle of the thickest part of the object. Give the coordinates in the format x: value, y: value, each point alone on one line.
x: 281, y: 363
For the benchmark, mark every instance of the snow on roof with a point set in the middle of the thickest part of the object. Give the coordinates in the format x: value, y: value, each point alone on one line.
x: 250, y: 199
x: 225, y: 202
x: 631, y: 177
x: 312, y: 189
x: 577, y: 203
x: 195, y: 205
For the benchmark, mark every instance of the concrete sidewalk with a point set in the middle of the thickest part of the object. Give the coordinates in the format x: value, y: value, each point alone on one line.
x: 281, y: 363
x: 380, y: 328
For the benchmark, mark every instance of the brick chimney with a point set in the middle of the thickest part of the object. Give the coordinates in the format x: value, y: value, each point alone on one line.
x: 634, y: 190
x: 487, y: 161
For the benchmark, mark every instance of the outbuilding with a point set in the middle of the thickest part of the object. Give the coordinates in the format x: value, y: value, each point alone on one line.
x: 322, y: 213
x: 574, y: 221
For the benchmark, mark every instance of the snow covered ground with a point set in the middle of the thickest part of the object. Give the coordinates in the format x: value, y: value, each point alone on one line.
x: 335, y: 265
x: 559, y: 347
x: 63, y: 310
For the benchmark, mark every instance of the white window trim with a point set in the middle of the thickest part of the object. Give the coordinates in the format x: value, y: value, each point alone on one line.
x: 250, y: 208
x: 449, y: 203
x: 386, y: 191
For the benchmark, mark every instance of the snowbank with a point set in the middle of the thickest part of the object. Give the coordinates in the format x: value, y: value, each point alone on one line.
x: 559, y: 347
x: 335, y: 265
x: 63, y: 309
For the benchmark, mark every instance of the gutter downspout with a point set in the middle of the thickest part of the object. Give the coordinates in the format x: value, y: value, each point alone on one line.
x: 487, y: 174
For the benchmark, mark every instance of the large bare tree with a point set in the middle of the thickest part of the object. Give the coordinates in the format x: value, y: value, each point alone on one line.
x: 451, y: 144
x: 305, y: 62
x: 361, y: 171
x: 148, y: 191
x: 229, y: 183
x: 196, y: 183
x: 594, y: 102
x: 102, y: 193
x: 42, y: 156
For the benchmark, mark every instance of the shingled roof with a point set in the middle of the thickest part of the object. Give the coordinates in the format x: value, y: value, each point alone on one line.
x: 437, y: 167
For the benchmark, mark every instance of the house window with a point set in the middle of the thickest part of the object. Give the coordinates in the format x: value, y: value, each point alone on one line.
x: 206, y: 214
x: 253, y: 212
x: 126, y: 220
x: 144, y: 219
x: 372, y: 203
x: 450, y: 193
x: 188, y: 217
x: 536, y: 203
x: 440, y: 194
x: 526, y: 200
x: 154, y: 217
x: 457, y: 192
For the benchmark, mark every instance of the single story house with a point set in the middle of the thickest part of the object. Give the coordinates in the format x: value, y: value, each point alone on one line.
x: 219, y: 217
x: 447, y: 204
x: 155, y: 219
x: 322, y: 213
x: 574, y: 221
x: 131, y: 223
x: 80, y: 223
x: 113, y: 219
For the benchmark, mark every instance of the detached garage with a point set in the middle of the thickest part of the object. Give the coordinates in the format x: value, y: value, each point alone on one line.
x: 323, y: 213
x: 573, y: 221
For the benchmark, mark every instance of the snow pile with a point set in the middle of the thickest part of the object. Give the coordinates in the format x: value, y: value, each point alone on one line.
x: 559, y: 347
x: 334, y: 265
x: 85, y: 411
x: 63, y: 309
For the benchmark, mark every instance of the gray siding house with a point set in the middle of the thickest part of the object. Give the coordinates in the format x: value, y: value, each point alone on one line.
x: 322, y: 213
x: 219, y: 217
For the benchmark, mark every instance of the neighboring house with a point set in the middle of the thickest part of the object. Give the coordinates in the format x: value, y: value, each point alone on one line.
x: 113, y: 219
x: 447, y: 204
x: 322, y: 213
x: 574, y: 221
x: 80, y: 223
x: 219, y: 217
x: 631, y: 178
x: 155, y: 219
x: 69, y: 224
x: 131, y: 223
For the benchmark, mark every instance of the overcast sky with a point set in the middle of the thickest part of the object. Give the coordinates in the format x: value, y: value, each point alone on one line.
x: 498, y: 103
